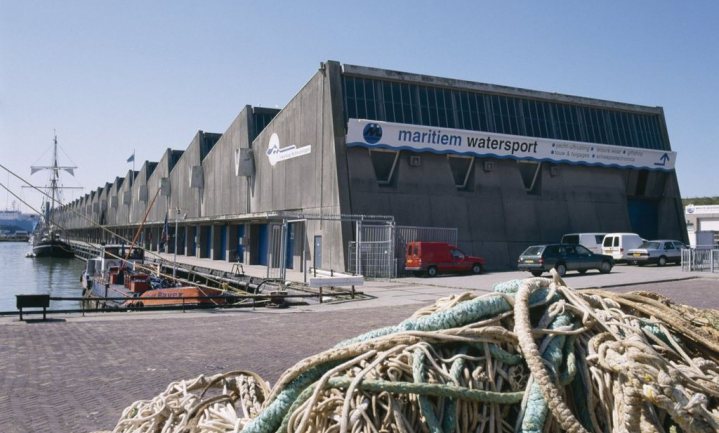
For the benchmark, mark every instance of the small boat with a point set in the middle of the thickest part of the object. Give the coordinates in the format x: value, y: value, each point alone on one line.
x: 119, y: 278
x: 179, y: 296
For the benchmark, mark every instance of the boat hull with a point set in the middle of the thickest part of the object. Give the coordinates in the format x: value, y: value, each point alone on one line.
x: 56, y: 249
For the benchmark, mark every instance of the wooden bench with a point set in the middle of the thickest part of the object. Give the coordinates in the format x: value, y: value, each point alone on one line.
x: 33, y: 301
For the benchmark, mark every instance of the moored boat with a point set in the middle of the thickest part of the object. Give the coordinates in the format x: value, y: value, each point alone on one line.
x: 119, y: 278
x: 47, y: 239
x: 50, y: 244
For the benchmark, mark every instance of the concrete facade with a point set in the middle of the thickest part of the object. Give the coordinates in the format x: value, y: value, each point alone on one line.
x: 228, y: 187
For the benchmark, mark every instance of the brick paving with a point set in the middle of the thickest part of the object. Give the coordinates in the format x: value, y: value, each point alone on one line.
x: 74, y: 374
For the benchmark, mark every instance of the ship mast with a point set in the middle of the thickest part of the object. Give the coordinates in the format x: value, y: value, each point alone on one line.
x: 54, y: 179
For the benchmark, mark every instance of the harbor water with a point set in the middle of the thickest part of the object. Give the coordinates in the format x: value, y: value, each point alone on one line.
x: 22, y: 275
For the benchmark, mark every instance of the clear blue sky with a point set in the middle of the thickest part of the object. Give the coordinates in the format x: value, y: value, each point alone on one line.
x: 111, y: 77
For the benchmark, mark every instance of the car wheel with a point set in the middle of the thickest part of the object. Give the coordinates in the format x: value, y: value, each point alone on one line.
x: 662, y: 261
x: 561, y: 269
x: 605, y: 267
x: 536, y: 273
x: 476, y: 268
x: 432, y: 271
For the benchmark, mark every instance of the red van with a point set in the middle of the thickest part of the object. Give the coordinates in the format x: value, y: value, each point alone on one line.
x: 438, y: 257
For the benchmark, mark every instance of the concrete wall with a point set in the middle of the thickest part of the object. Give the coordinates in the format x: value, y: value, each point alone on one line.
x: 140, y: 196
x: 307, y: 184
x: 495, y: 216
x: 225, y: 193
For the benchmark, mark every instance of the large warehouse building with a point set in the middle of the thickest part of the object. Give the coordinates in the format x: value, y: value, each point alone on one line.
x: 364, y: 159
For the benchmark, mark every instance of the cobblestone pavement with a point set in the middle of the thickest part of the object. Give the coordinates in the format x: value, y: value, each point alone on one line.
x: 75, y: 374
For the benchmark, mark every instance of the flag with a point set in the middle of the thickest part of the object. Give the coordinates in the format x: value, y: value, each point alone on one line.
x: 165, y: 232
x: 131, y: 158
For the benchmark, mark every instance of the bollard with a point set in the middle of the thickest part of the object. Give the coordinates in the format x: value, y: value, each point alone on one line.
x: 320, y: 294
x: 353, y: 291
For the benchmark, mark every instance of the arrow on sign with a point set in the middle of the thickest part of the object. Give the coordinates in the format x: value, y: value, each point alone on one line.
x: 663, y: 160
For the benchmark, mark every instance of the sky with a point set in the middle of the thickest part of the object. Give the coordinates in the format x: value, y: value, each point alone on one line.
x: 115, y: 77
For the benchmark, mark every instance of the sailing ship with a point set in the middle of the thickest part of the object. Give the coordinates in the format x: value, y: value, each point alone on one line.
x: 48, y: 240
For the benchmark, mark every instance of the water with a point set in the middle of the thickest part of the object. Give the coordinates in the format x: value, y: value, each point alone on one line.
x: 22, y: 276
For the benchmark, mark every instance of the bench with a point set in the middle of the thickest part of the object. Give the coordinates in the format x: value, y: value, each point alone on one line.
x: 33, y: 301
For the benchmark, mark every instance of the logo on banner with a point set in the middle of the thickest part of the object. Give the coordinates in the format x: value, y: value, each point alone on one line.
x: 276, y: 154
x: 372, y: 133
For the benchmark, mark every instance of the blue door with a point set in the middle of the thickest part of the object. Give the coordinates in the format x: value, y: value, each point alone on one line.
x: 223, y: 242
x: 206, y: 241
x: 289, y: 244
x: 643, y: 217
x: 262, y: 244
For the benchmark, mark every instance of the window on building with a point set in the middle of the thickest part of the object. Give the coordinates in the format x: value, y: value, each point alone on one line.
x: 420, y: 104
x: 384, y: 163
x: 531, y: 175
x: 461, y: 167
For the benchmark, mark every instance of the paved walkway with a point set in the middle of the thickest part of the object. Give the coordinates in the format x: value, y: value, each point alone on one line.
x: 76, y: 374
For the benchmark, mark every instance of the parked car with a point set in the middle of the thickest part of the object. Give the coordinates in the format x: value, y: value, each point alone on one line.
x: 432, y: 258
x: 593, y: 241
x: 660, y: 251
x: 618, y: 245
x: 538, y: 259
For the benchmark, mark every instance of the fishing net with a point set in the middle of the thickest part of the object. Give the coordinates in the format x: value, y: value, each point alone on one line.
x: 533, y: 356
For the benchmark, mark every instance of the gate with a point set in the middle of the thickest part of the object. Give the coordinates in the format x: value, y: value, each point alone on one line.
x: 372, y: 254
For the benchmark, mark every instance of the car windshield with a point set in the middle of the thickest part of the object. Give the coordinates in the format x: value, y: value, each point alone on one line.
x: 533, y: 251
x: 650, y: 245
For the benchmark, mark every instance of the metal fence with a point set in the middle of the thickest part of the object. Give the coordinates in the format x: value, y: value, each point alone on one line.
x: 700, y: 260
x: 373, y: 253
x: 379, y: 251
x: 277, y: 252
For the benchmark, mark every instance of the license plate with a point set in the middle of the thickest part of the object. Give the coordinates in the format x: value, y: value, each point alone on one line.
x: 637, y: 255
x: 529, y: 261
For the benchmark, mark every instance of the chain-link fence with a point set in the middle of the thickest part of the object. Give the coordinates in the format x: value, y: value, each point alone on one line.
x: 373, y: 255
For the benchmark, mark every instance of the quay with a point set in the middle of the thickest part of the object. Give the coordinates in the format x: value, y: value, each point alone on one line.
x: 76, y: 374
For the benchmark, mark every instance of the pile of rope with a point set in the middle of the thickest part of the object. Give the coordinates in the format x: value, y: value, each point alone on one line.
x: 533, y: 356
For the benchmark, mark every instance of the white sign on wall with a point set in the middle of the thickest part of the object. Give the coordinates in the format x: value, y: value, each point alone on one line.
x: 275, y: 153
x: 376, y: 134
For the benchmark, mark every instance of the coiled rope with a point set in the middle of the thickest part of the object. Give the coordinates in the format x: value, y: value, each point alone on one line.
x: 535, y: 356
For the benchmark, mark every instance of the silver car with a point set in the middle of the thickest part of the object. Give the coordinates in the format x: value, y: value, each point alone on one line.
x: 660, y: 251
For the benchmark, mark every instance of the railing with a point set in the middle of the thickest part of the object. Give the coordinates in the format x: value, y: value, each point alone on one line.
x: 124, y: 304
x: 700, y: 260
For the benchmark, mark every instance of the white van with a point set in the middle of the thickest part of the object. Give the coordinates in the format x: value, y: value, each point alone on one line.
x: 618, y: 245
x: 592, y: 241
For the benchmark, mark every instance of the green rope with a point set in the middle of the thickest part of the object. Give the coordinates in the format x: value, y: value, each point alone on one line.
x: 425, y: 405
x: 271, y: 417
x: 430, y: 389
x: 450, y: 406
x: 537, y: 409
x: 460, y: 315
